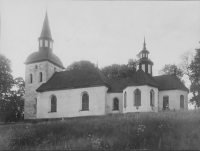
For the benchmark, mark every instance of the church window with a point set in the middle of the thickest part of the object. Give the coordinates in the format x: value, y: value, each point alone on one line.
x: 85, y: 102
x: 149, y: 68
x: 137, y: 97
x: 53, y: 103
x: 143, y: 67
x: 30, y: 78
x: 181, y: 101
x: 46, y: 43
x: 125, y: 100
x: 40, y: 77
x: 115, y: 104
x: 152, y: 99
x: 40, y: 43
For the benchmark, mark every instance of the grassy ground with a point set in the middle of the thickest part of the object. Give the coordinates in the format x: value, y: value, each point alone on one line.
x: 163, y: 130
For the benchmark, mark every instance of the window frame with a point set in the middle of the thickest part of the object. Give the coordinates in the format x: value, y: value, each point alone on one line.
x: 53, y: 108
x: 40, y: 77
x: 30, y: 78
x: 152, y: 98
x: 125, y: 99
x: 137, y: 97
x: 181, y: 101
x: 85, y: 105
x: 115, y: 108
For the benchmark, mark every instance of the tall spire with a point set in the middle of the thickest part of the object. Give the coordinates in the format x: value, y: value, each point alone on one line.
x: 46, y: 33
x: 144, y: 45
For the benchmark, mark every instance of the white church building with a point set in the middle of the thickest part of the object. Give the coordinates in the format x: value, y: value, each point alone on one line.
x: 53, y: 92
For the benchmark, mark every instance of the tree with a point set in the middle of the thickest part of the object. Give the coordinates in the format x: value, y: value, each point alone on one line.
x: 186, y: 59
x: 123, y: 71
x: 11, y: 101
x: 170, y: 69
x: 20, y: 84
x: 12, y: 104
x: 83, y: 64
x: 195, y: 78
x: 6, y: 79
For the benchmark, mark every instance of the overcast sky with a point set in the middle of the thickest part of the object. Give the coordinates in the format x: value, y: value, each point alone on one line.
x: 104, y: 31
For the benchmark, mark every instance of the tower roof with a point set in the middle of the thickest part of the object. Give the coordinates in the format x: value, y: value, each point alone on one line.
x: 144, y: 47
x: 44, y: 55
x: 46, y: 32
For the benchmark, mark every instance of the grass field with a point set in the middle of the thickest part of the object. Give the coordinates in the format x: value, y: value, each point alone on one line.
x: 163, y: 130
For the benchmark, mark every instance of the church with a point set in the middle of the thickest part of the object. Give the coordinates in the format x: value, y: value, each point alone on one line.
x: 53, y: 92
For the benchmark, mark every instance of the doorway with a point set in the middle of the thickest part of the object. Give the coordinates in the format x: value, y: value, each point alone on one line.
x: 166, y: 103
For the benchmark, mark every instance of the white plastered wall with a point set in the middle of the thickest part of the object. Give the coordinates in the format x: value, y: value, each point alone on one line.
x: 109, y: 102
x: 145, y: 99
x: 174, y: 99
x: 69, y: 102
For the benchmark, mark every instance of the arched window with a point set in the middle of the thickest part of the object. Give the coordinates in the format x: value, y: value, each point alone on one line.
x: 125, y: 100
x: 152, y: 99
x: 30, y: 78
x: 40, y: 77
x: 115, y: 104
x: 181, y: 101
x: 137, y: 97
x: 85, y: 102
x: 53, y: 103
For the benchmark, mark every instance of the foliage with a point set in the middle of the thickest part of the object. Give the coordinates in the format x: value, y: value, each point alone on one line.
x: 6, y: 79
x: 123, y: 71
x: 11, y: 101
x: 195, y: 78
x: 83, y: 64
x: 175, y: 130
x: 170, y: 69
x: 186, y: 59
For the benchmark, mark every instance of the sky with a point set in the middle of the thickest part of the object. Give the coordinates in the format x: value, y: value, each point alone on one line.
x: 106, y: 32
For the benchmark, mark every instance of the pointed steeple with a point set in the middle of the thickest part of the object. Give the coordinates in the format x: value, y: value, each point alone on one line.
x: 145, y: 63
x: 144, y: 45
x: 46, y: 32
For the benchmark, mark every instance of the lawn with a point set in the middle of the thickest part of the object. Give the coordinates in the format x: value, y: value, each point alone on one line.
x: 162, y: 130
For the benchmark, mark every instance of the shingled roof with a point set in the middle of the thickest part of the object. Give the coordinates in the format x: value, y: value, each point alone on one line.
x: 75, y: 79
x: 169, y: 82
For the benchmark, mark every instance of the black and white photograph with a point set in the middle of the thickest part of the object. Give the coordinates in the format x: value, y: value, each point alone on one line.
x: 99, y: 75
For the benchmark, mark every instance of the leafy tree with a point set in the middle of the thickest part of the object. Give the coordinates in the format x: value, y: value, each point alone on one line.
x: 186, y: 59
x: 195, y: 78
x: 20, y: 84
x: 170, y: 69
x: 6, y: 79
x: 83, y: 64
x: 11, y: 101
x: 122, y: 71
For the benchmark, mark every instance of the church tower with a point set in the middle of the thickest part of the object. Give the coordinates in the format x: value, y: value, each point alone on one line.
x: 40, y: 66
x: 145, y: 63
